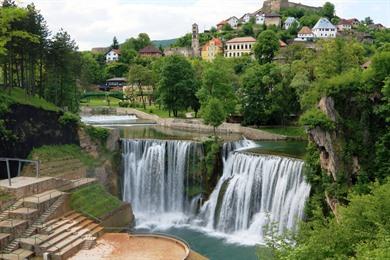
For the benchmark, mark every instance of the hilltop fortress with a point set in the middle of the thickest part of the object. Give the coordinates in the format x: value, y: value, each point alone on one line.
x: 274, y: 6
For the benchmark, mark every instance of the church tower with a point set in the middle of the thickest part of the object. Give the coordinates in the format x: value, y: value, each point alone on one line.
x: 195, y: 40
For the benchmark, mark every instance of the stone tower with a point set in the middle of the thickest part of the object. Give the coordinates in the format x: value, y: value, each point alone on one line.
x: 195, y: 40
x: 274, y: 6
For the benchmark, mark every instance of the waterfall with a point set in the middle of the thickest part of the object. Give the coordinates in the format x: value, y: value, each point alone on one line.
x: 255, y: 191
x: 163, y: 184
x: 156, y: 174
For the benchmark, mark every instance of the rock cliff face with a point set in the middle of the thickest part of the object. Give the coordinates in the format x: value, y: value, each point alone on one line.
x: 33, y: 127
x: 326, y: 140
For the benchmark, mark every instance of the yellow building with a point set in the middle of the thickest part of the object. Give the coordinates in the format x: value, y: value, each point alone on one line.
x: 213, y: 48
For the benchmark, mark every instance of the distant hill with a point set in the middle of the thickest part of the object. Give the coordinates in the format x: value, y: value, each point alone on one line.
x: 164, y: 43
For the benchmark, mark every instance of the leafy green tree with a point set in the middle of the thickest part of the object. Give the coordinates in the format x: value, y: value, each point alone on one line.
x: 309, y: 20
x: 140, y: 77
x: 177, y: 84
x: 247, y: 29
x: 368, y: 21
x: 214, y: 113
x: 91, y: 71
x: 328, y: 10
x: 116, y: 69
x: 266, y: 46
x: 218, y: 81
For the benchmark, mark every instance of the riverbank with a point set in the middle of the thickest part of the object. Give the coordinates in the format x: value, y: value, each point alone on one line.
x: 197, y: 125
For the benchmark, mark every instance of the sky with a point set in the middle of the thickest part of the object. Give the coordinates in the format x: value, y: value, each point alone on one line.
x: 94, y: 23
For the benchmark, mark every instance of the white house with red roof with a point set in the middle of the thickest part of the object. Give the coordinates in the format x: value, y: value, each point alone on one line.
x: 112, y: 55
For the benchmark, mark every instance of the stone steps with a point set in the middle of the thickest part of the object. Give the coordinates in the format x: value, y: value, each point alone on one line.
x: 17, y: 254
x: 42, y: 200
x: 5, y: 214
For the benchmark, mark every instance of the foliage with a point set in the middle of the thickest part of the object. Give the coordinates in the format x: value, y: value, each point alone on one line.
x: 140, y: 76
x: 213, y: 113
x: 316, y: 118
x: 177, y: 84
x: 69, y: 119
x: 115, y: 44
x: 362, y: 230
x: 266, y: 95
x: 328, y: 10
x: 266, y: 46
x: 98, y: 134
x: 218, y: 82
x: 49, y: 153
x: 116, y: 69
x: 94, y: 200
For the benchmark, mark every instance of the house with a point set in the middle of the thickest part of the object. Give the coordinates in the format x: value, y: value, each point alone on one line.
x: 377, y: 26
x: 324, y: 29
x: 233, y: 21
x: 150, y: 51
x: 116, y: 82
x: 272, y: 19
x: 112, y: 55
x: 260, y: 18
x: 290, y: 21
x: 304, y: 35
x: 344, y: 25
x: 212, y: 49
x: 246, y: 18
x: 221, y: 24
x: 239, y: 47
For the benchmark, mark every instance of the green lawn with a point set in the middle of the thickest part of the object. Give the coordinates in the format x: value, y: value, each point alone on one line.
x: 94, y: 200
x: 56, y: 152
x: 292, y: 131
x: 19, y: 96
x: 153, y: 109
x: 100, y: 101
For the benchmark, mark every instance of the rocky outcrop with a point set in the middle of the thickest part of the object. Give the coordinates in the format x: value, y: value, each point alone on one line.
x: 327, y: 140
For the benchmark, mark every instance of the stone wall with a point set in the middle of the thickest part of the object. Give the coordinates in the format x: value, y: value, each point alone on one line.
x: 120, y: 218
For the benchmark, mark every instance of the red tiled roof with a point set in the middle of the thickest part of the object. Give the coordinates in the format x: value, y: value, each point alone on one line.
x: 305, y: 30
x: 150, y: 49
x: 282, y: 44
x: 222, y: 22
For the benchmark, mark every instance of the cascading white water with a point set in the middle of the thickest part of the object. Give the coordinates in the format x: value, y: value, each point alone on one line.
x: 254, y: 191
x: 108, y: 119
x: 155, y: 175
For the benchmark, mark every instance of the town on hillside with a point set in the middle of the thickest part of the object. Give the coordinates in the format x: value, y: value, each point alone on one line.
x: 235, y: 37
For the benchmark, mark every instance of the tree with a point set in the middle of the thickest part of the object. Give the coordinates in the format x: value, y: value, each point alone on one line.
x: 91, y: 71
x: 214, y: 113
x: 140, y: 77
x: 218, y: 81
x: 115, y: 43
x: 368, y: 21
x: 63, y: 68
x: 176, y: 84
x: 266, y: 45
x: 328, y: 10
x: 116, y: 69
x: 247, y: 29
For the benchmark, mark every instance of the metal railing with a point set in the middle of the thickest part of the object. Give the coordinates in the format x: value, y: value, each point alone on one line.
x: 20, y: 161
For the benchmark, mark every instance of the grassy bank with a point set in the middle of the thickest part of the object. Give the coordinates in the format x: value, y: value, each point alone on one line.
x: 94, y: 200
x: 100, y: 101
x: 290, y: 131
x: 19, y: 96
x: 57, y: 152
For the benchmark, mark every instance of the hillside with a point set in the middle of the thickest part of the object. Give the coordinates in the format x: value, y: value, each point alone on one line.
x: 164, y: 43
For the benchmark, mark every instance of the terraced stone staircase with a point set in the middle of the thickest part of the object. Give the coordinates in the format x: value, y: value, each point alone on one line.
x: 63, y: 237
x: 23, y: 219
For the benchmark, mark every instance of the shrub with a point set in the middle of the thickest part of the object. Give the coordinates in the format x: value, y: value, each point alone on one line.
x: 315, y: 117
x: 98, y: 134
x: 69, y: 119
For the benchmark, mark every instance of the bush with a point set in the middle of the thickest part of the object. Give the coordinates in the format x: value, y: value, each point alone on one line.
x: 98, y: 134
x: 124, y: 104
x: 69, y: 119
x: 315, y: 117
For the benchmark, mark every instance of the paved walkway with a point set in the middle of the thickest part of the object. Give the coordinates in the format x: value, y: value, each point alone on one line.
x: 124, y: 246
x: 197, y: 125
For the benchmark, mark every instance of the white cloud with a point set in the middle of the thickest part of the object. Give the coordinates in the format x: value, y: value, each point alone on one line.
x: 94, y: 23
